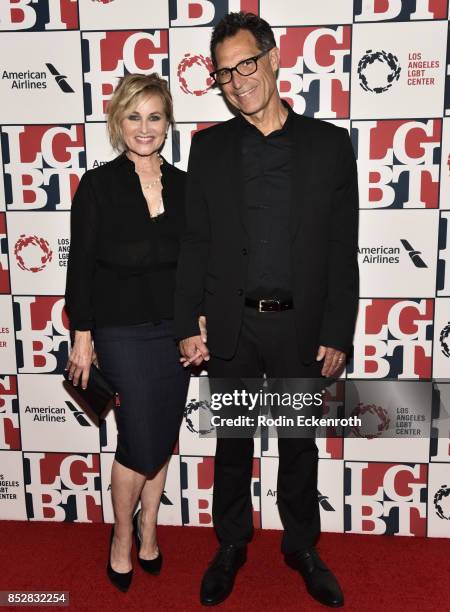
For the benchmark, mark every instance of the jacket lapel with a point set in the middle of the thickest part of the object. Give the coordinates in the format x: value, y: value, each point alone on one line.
x: 235, y: 173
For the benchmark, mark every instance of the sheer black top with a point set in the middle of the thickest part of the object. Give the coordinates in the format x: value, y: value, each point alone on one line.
x: 122, y: 262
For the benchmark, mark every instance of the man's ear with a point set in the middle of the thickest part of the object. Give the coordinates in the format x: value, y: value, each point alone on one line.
x: 274, y: 57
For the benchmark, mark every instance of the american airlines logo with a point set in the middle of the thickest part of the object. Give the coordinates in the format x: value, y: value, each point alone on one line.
x: 60, y: 79
x: 57, y: 414
x: 165, y: 500
x: 323, y: 501
x: 414, y: 255
x: 389, y: 254
x: 35, y: 79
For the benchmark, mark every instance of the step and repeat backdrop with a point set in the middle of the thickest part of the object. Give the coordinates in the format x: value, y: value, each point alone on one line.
x: 379, y: 68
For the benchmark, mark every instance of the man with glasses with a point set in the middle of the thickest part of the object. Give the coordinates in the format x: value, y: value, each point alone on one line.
x: 270, y: 259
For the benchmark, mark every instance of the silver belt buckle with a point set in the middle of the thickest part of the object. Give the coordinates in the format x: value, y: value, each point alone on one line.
x: 267, y: 301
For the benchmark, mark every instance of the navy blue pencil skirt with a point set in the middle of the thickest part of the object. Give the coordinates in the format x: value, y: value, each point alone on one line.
x: 142, y: 362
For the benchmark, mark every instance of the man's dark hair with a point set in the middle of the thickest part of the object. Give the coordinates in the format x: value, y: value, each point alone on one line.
x: 233, y: 22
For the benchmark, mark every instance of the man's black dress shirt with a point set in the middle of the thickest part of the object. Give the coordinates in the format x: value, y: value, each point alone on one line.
x: 266, y: 173
x: 122, y: 263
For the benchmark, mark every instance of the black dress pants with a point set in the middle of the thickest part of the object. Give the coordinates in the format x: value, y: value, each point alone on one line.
x: 267, y: 344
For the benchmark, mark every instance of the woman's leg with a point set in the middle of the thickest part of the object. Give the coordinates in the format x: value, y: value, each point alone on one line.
x: 150, y: 500
x: 126, y: 486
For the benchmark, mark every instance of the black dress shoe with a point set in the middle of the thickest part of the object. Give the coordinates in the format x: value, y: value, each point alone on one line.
x: 218, y: 580
x: 152, y: 566
x: 120, y: 580
x: 320, y: 581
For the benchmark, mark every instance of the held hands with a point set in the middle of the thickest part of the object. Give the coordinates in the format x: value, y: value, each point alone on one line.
x: 194, y: 350
x: 334, y: 360
x: 80, y: 358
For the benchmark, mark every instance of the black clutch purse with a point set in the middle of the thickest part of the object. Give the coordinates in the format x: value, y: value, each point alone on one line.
x: 98, y: 393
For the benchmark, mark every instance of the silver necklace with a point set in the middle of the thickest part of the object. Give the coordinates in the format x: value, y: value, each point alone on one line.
x: 157, y: 179
x: 149, y: 186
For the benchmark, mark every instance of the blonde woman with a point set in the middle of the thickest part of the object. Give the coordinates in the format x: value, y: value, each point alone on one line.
x: 126, y: 223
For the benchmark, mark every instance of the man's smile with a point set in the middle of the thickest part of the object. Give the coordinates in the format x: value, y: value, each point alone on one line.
x: 245, y: 93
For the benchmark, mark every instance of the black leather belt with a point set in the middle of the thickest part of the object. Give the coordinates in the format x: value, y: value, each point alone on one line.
x: 270, y: 304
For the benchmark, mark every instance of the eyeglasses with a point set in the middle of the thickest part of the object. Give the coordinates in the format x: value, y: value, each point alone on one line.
x: 244, y: 68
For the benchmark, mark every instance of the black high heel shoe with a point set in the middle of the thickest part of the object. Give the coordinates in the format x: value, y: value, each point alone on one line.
x: 120, y: 580
x: 152, y: 566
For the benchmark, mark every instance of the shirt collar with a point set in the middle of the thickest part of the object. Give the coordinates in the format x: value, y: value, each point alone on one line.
x: 286, y: 125
x: 122, y: 160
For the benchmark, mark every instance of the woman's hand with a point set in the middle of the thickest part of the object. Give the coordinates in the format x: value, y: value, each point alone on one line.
x: 80, y: 359
x: 194, y: 349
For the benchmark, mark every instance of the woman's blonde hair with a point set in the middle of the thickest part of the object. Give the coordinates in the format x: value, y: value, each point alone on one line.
x: 129, y: 88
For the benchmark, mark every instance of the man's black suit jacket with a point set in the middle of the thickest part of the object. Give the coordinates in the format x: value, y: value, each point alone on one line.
x: 212, y: 269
